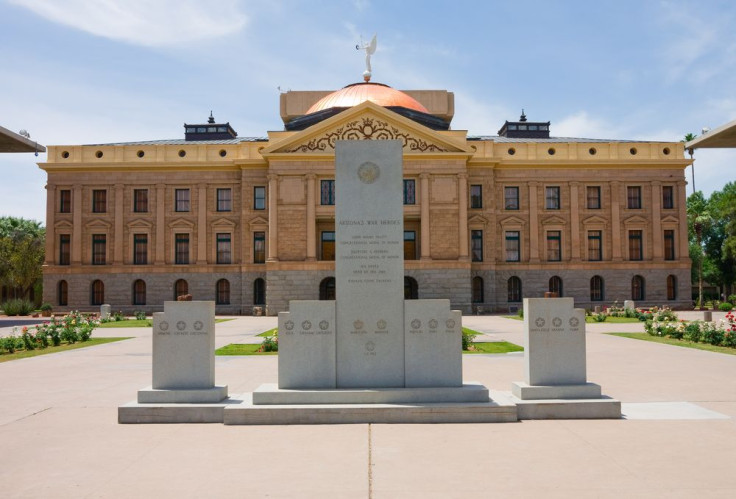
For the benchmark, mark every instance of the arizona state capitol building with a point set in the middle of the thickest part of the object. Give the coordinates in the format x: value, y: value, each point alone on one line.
x: 250, y: 222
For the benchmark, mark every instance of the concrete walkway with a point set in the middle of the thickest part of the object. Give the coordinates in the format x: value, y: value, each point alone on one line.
x: 59, y: 435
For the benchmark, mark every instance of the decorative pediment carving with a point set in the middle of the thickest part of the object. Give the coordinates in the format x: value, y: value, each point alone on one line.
x: 512, y: 221
x: 595, y: 220
x: 224, y: 223
x: 98, y: 224
x: 636, y: 220
x: 63, y: 224
x: 181, y: 223
x: 554, y: 220
x: 258, y: 222
x: 139, y: 223
x: 669, y: 219
x: 477, y: 220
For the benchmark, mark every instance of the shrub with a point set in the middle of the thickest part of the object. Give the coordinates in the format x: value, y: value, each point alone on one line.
x: 467, y: 339
x: 9, y: 343
x: 712, y: 334
x: 693, y: 331
x: 270, y: 344
x: 731, y: 298
x: 725, y: 307
x: 46, y: 307
x: 140, y: 315
x: 118, y: 316
x: 520, y: 313
x: 599, y: 317
x: 18, y: 307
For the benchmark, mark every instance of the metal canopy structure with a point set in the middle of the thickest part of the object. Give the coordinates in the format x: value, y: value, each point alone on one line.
x: 722, y: 137
x: 13, y: 142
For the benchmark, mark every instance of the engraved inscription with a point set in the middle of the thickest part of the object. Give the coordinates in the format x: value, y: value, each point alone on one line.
x: 368, y: 172
x: 164, y: 326
x: 323, y: 325
x: 289, y: 325
x: 416, y: 324
x: 306, y: 325
x: 181, y: 325
x: 574, y: 321
x: 433, y: 324
x: 540, y: 322
x: 450, y: 323
x: 556, y: 322
x: 358, y: 324
x: 198, y: 325
x: 381, y: 324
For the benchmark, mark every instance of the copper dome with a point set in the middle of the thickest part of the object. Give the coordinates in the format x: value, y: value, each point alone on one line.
x: 354, y: 94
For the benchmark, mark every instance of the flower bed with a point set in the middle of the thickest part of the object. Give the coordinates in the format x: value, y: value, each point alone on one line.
x: 721, y: 333
x: 68, y: 329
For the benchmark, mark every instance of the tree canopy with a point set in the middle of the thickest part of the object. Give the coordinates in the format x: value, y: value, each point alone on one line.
x: 22, y: 248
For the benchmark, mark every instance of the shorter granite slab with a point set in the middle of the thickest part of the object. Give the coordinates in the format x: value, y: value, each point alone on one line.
x: 151, y: 395
x: 525, y: 391
x: 137, y: 413
x: 602, y: 408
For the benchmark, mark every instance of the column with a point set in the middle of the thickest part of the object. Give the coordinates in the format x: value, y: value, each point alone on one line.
x: 657, y: 241
x: 533, y: 224
x: 202, y: 226
x: 160, y: 258
x: 574, y: 222
x: 462, y: 181
x: 118, y: 214
x: 77, y: 225
x: 682, y: 214
x: 273, y: 187
x: 616, y: 221
x: 424, y: 223
x: 311, y: 221
x: 50, y: 234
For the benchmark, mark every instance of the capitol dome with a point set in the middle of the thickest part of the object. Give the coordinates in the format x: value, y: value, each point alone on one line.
x: 378, y: 93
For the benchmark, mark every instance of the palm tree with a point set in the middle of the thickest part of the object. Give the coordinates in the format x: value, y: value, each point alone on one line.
x: 688, y: 137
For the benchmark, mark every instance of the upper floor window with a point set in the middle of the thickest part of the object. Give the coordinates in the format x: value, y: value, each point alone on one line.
x: 593, y: 194
x: 476, y: 245
x: 181, y: 199
x: 64, y: 249
x: 552, y: 198
x: 410, y: 191
x: 554, y: 249
x: 223, y: 248
x: 669, y: 245
x: 259, y: 247
x: 99, y: 249
x: 181, y: 249
x: 327, y: 192
x: 259, y: 197
x: 633, y: 195
x: 635, y: 246
x: 140, y: 249
x: 511, y: 198
x: 99, y: 201
x: 595, y: 248
x: 224, y: 199
x: 65, y: 201
x: 476, y: 196
x: 668, y: 197
x: 513, y: 246
x: 140, y: 200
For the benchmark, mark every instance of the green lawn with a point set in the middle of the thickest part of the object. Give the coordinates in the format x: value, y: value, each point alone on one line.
x: 494, y: 347
x: 270, y: 332
x: 23, y: 354
x: 679, y: 343
x: 138, y: 323
x: 242, y: 349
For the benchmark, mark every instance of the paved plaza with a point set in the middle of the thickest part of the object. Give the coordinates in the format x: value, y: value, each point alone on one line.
x: 59, y: 435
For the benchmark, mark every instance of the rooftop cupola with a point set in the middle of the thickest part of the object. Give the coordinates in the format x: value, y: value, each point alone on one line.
x: 209, y: 131
x: 524, y: 129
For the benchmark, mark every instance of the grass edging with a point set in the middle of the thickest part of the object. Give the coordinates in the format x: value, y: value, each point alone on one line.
x: 242, y: 349
x: 680, y: 343
x: 24, y: 354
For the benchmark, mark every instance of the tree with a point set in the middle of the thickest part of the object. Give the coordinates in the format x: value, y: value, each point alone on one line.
x: 22, y: 248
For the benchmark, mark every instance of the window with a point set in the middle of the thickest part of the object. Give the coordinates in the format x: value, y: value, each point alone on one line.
x: 99, y: 249
x: 222, y: 288
x: 554, y: 249
x: 259, y: 198
x: 637, y: 288
x: 64, y: 249
x: 514, y: 289
x: 511, y: 198
x: 633, y: 198
x: 224, y: 200
x: 513, y: 247
x: 669, y: 245
x: 552, y: 198
x: 140, y: 200
x: 65, y: 201
x: 259, y: 292
x: 62, y: 293
x: 327, y: 192
x: 139, y: 292
x: 181, y: 249
x: 593, y: 194
x: 97, y: 293
x: 181, y: 197
x: 140, y: 249
x: 327, y: 240
x: 411, y: 288
x: 476, y: 196
x: 99, y: 201
x: 223, y: 248
x: 595, y: 247
x: 596, y: 288
x: 555, y: 285
x: 327, y: 289
x: 477, y: 292
x: 259, y: 247
x: 410, y: 191
x: 181, y: 288
x: 476, y: 245
x: 635, y: 247
x: 671, y: 287
x: 668, y: 197
x: 410, y: 245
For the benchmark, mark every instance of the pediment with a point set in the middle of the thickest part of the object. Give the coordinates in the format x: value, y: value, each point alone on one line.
x: 554, y: 220
x: 477, y: 220
x: 669, y: 219
x: 636, y: 220
x: 63, y: 224
x: 258, y: 221
x: 512, y: 221
x: 181, y: 223
x: 367, y: 121
x: 98, y: 224
x: 595, y: 220
x: 139, y: 223
x: 224, y: 222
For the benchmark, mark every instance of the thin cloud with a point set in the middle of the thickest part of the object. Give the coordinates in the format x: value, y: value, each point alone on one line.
x: 144, y: 22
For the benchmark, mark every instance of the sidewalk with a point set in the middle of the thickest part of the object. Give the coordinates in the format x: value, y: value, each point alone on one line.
x: 60, y: 438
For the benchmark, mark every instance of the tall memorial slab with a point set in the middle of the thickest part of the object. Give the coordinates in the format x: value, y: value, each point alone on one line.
x: 369, y: 262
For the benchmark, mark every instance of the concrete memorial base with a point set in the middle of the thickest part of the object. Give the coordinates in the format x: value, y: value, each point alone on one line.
x: 525, y: 391
x: 137, y: 413
x: 212, y: 395
x: 601, y: 408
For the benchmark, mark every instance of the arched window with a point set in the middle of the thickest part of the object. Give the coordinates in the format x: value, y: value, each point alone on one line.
x: 514, y: 285
x: 477, y: 290
x: 222, y: 292
x: 62, y: 293
x: 139, y: 292
x: 259, y: 292
x: 411, y: 288
x: 327, y: 289
x: 671, y: 287
x: 181, y: 288
x: 98, y: 293
x: 637, y: 288
x: 555, y: 285
x: 596, y: 288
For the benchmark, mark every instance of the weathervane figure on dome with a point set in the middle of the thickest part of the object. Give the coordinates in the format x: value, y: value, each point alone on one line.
x: 370, y: 49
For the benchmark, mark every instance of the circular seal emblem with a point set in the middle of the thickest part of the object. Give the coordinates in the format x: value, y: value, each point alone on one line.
x: 574, y: 321
x: 556, y: 322
x: 381, y: 324
x: 198, y: 325
x: 323, y: 325
x: 450, y: 323
x: 358, y: 325
x: 164, y: 326
x: 368, y: 172
x: 433, y: 324
x: 416, y: 324
x: 289, y: 325
x: 306, y: 325
x: 540, y: 322
x: 181, y: 325
x: 370, y: 346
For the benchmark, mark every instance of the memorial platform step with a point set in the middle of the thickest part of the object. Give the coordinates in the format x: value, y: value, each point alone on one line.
x: 137, y: 413
x: 600, y: 408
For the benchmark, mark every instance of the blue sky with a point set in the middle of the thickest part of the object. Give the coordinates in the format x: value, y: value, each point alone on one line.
x: 84, y: 71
